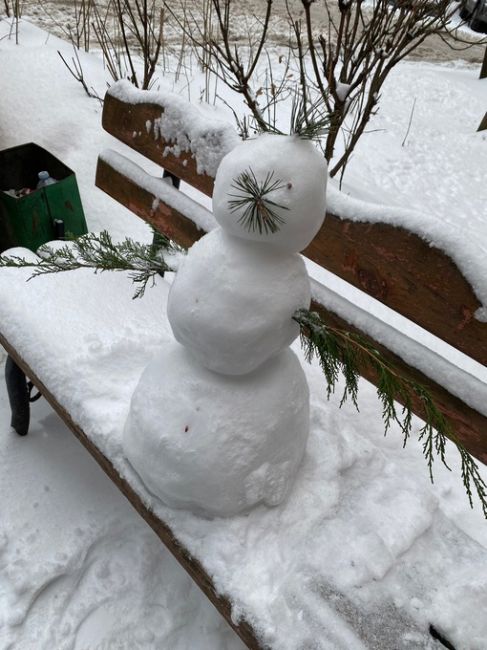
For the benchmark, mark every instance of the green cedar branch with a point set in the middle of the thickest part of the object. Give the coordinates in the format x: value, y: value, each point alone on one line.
x: 340, y: 352
x: 100, y: 253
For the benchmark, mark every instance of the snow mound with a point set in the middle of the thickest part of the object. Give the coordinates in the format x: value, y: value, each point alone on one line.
x: 191, y: 433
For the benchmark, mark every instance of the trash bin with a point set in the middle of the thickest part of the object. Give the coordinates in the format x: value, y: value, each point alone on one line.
x: 29, y: 221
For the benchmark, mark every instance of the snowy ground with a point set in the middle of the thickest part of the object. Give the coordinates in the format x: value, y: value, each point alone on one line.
x: 72, y: 552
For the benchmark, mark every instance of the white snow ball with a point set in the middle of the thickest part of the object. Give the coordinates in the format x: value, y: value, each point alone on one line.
x: 217, y: 445
x: 232, y: 301
x: 288, y: 176
x: 21, y: 253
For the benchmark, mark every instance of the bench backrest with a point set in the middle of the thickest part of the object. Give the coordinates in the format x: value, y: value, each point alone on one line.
x: 391, y: 264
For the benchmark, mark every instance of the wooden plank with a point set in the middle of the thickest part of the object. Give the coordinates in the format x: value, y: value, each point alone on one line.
x: 189, y: 563
x: 128, y: 123
x: 469, y: 425
x: 141, y: 202
x: 405, y: 273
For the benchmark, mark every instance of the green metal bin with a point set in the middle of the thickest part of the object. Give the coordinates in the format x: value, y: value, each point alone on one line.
x: 29, y: 221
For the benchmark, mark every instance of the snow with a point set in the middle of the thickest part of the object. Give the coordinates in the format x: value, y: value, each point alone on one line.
x: 79, y: 569
x: 219, y: 443
x: 185, y: 127
x: 364, y: 553
x: 347, y: 503
x: 214, y: 444
x: 232, y: 301
x: 291, y: 165
x: 342, y: 91
x: 435, y: 184
x: 162, y: 190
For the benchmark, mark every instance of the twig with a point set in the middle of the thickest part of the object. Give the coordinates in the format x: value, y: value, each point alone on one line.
x: 409, y: 123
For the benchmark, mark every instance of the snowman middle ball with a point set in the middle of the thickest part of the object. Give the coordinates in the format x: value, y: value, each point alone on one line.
x: 232, y: 301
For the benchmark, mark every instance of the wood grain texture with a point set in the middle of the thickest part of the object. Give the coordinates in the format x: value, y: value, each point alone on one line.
x: 405, y: 273
x: 167, y: 220
x: 128, y: 123
x: 178, y: 550
x: 469, y: 425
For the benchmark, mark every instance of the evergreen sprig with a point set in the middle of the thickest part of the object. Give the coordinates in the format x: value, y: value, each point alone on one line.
x: 100, y: 253
x: 340, y: 352
x: 260, y: 212
x: 309, y: 121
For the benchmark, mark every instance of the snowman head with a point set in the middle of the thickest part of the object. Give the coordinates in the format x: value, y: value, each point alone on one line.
x: 272, y: 189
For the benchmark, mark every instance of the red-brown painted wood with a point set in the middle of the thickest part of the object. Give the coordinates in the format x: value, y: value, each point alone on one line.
x: 405, y: 273
x: 174, y: 224
x: 128, y: 123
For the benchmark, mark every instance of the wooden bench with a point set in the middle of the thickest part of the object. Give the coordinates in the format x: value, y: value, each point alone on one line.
x: 394, y: 266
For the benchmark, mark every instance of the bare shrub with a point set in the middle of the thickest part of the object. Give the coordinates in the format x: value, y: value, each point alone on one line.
x: 137, y: 31
x: 78, y: 30
x: 342, y: 52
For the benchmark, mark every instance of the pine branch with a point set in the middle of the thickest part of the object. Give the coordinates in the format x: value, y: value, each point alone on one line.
x: 260, y: 211
x: 100, y: 253
x: 309, y: 122
x: 340, y: 352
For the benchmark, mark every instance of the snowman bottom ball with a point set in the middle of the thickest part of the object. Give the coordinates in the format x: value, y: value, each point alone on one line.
x: 217, y: 445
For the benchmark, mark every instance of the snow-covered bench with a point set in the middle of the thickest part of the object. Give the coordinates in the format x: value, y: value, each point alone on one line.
x: 261, y: 572
x: 368, y: 246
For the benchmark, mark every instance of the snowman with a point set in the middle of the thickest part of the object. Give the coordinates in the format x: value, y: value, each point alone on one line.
x: 220, y: 418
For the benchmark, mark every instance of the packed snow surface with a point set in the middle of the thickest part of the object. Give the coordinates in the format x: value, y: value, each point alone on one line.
x: 232, y: 302
x: 79, y: 569
x: 294, y: 172
x: 214, y: 444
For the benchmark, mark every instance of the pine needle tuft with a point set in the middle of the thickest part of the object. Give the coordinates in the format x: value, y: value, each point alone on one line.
x: 260, y: 211
x: 309, y: 121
